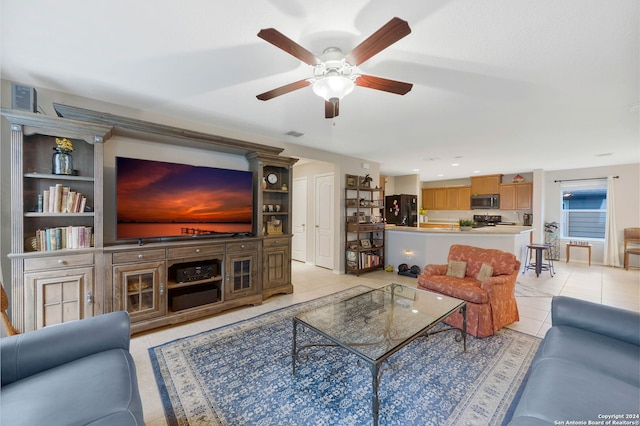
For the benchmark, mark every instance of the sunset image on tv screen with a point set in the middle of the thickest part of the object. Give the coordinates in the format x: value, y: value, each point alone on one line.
x: 160, y: 199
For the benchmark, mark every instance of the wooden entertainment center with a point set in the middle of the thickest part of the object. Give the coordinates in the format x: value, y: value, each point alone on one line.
x: 159, y: 282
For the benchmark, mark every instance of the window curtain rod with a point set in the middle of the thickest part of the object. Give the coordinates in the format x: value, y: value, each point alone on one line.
x: 572, y: 180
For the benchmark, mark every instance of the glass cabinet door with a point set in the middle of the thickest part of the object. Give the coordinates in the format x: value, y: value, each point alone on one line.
x: 241, y: 274
x: 240, y: 279
x: 139, y: 291
x: 142, y: 289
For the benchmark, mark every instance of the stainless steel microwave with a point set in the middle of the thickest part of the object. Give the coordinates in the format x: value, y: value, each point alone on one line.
x: 485, y: 202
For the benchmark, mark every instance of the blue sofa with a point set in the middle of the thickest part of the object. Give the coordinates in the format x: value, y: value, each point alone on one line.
x: 76, y: 373
x: 587, y: 368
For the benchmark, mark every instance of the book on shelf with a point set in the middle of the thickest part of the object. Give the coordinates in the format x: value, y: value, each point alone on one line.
x: 45, y: 200
x: 368, y: 260
x: 61, y: 199
x: 64, y: 237
x: 362, y: 260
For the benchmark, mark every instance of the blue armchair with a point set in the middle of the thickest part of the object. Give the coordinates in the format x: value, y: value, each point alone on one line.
x: 78, y: 373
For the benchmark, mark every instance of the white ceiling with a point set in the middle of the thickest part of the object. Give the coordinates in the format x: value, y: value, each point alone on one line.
x: 500, y: 86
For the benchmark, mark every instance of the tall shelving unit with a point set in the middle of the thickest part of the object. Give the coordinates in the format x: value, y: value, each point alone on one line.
x: 53, y: 286
x: 273, y: 177
x: 364, y: 228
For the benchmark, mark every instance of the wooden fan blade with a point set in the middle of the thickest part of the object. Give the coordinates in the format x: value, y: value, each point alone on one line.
x: 283, y: 90
x: 331, y: 110
x: 390, y: 32
x: 379, y: 83
x: 280, y: 40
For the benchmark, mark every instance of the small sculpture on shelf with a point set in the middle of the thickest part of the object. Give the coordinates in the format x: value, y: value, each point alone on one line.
x: 62, y: 161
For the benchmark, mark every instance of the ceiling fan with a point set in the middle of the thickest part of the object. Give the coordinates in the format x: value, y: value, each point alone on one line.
x: 334, y: 73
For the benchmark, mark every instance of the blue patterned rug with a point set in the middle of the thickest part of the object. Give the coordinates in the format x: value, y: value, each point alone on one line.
x: 240, y: 374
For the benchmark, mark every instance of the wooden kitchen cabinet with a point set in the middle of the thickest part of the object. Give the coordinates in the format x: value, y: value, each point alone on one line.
x: 464, y: 198
x: 440, y: 199
x: 489, y: 184
x: 429, y: 198
x: 453, y: 198
x: 434, y: 198
x: 516, y: 196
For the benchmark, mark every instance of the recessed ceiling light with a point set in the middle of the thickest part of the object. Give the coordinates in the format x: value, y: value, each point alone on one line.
x: 458, y: 156
x: 440, y: 175
x: 476, y: 171
x: 416, y: 170
x: 455, y: 164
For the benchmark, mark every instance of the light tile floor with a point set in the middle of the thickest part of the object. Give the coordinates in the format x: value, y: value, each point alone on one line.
x: 610, y: 286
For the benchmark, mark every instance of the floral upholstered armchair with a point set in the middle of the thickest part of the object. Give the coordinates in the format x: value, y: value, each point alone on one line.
x: 485, y: 279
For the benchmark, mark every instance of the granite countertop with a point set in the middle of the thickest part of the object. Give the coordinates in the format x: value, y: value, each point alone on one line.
x: 491, y: 230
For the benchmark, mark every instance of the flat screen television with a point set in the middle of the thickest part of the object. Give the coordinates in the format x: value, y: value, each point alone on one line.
x: 156, y: 199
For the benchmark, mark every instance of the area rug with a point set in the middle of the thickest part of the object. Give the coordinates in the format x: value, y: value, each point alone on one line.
x: 241, y: 374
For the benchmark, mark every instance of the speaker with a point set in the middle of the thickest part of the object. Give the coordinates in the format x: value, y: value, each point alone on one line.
x: 24, y: 98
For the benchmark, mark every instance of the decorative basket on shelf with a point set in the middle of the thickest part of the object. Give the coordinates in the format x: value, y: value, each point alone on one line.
x: 274, y: 226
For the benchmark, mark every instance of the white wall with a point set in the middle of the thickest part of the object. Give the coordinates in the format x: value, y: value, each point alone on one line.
x: 407, y: 184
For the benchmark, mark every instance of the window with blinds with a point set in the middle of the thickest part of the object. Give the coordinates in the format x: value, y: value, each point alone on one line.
x: 584, y: 212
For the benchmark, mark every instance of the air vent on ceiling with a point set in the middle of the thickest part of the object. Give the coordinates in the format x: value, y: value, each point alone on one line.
x: 294, y: 133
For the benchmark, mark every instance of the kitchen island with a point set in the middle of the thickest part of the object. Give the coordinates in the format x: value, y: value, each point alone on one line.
x: 421, y: 246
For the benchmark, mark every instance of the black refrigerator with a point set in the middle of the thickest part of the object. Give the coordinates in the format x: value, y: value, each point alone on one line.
x: 401, y: 210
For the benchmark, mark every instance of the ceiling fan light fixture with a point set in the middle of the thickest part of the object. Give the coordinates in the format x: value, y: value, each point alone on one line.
x: 333, y: 87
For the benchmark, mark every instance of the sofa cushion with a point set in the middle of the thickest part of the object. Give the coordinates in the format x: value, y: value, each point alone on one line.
x: 486, y: 271
x: 99, y: 388
x: 503, y: 263
x: 557, y: 390
x: 595, y: 352
x: 456, y: 269
x: 461, y: 288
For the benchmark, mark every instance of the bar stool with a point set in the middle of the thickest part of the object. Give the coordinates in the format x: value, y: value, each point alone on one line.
x: 539, y: 264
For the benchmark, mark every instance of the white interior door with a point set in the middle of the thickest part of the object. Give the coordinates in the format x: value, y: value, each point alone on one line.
x: 299, y: 219
x: 324, y: 220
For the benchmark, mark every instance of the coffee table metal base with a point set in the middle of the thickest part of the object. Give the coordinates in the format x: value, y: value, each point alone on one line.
x: 374, y: 365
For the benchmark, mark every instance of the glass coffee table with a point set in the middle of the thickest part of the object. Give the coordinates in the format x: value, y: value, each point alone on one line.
x: 378, y: 323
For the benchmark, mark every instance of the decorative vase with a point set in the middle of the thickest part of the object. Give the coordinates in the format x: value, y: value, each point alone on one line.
x: 62, y: 162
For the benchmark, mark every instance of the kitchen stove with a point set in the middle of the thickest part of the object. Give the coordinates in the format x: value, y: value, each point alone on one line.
x: 482, y: 220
